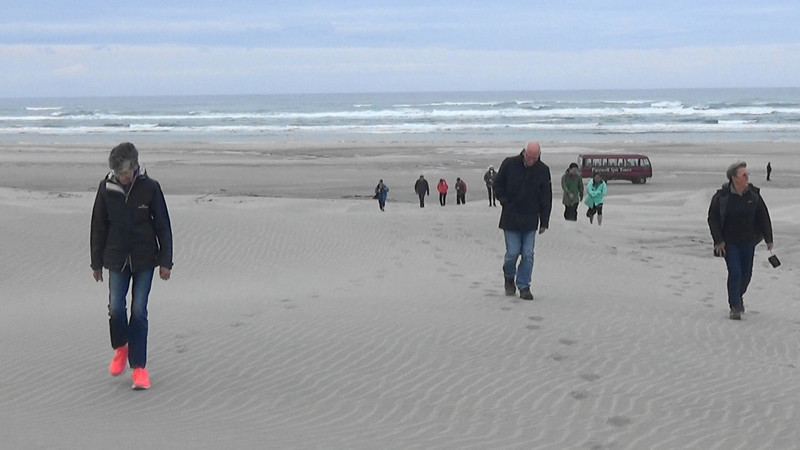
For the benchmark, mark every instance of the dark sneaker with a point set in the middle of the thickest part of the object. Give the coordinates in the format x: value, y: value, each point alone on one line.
x: 741, y: 305
x: 525, y: 294
x: 735, y: 315
x: 511, y: 289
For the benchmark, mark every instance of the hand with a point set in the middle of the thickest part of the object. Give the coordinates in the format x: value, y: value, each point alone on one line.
x: 164, y: 273
x: 98, y: 275
x: 720, y: 249
x: 542, y: 229
x: 769, y: 246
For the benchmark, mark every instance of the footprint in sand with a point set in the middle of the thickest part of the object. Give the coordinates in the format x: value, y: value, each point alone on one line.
x: 536, y: 318
x: 568, y: 341
x: 558, y: 357
x: 533, y: 327
x: 579, y: 395
x: 619, y: 421
x: 590, y: 376
x: 287, y: 304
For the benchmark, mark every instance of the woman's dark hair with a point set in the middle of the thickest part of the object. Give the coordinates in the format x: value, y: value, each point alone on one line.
x: 122, y: 153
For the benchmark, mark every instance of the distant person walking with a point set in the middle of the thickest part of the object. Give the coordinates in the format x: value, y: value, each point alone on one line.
x: 769, y: 170
x: 488, y: 178
x: 524, y: 189
x: 442, y: 188
x: 461, y: 192
x: 422, y: 189
x: 738, y: 219
x: 572, y: 185
x: 130, y: 236
x: 381, y: 191
x: 595, y: 196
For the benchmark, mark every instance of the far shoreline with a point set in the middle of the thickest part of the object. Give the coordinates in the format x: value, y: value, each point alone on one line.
x: 350, y: 170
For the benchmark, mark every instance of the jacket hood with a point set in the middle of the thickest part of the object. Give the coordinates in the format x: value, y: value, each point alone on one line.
x: 141, y: 172
x: 726, y: 187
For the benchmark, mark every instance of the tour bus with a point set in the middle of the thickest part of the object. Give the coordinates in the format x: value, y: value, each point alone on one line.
x: 632, y: 167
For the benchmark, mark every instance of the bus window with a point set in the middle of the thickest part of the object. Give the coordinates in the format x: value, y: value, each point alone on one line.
x: 633, y: 167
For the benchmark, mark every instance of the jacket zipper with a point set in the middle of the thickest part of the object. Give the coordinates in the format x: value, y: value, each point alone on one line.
x: 129, y: 260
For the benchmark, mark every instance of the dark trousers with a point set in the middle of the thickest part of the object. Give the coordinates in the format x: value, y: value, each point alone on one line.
x: 739, y: 259
x: 571, y: 212
x: 442, y: 198
x: 596, y: 209
x: 461, y: 198
x: 492, y: 198
x: 422, y: 200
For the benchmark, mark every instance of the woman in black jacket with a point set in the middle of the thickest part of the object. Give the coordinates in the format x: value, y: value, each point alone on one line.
x: 130, y: 235
x: 738, y: 219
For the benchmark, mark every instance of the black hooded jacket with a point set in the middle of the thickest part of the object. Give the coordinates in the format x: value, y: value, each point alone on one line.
x: 130, y: 228
x: 739, y: 218
x: 526, y: 194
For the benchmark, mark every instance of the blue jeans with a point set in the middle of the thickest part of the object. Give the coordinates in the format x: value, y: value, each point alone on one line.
x: 739, y: 258
x: 519, y: 243
x: 123, y: 331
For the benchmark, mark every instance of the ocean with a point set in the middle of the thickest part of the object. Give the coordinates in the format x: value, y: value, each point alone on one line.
x: 692, y: 115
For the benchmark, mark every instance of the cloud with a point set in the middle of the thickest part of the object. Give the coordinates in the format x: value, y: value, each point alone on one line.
x: 175, y: 70
x: 71, y: 71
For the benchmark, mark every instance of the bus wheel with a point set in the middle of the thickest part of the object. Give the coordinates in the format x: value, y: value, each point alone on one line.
x: 641, y: 180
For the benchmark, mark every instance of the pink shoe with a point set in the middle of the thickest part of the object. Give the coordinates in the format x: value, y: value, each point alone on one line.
x: 141, y: 380
x: 120, y: 361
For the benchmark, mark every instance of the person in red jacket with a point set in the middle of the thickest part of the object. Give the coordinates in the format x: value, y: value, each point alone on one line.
x: 442, y: 188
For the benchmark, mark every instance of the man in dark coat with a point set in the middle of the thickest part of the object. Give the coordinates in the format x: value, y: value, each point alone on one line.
x: 738, y: 219
x: 131, y: 235
x: 523, y: 187
x: 422, y: 189
x: 488, y: 178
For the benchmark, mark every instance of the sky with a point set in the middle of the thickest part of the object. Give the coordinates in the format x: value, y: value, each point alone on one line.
x: 75, y: 48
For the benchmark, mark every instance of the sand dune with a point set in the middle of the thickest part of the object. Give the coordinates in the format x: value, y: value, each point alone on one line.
x: 323, y: 323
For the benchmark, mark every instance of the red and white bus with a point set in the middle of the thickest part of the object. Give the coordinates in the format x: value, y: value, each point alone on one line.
x: 622, y: 166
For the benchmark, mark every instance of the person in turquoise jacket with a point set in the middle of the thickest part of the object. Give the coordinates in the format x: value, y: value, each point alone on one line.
x: 595, y: 195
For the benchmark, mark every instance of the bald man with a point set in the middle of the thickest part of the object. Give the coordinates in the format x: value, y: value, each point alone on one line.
x: 523, y: 187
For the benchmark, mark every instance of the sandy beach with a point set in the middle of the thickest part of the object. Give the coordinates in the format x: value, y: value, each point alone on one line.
x: 301, y: 316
